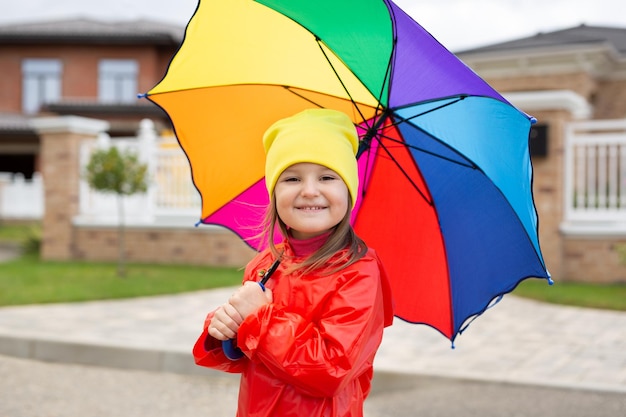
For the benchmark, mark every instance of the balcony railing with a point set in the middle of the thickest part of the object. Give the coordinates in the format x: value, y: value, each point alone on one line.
x: 595, y: 174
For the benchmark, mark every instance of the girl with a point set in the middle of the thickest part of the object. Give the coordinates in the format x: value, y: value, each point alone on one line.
x: 310, y: 338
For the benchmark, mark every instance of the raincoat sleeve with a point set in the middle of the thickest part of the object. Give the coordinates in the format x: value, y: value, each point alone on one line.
x: 208, y: 352
x: 320, y: 357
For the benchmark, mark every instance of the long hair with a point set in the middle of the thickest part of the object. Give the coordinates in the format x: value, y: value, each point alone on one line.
x: 342, y: 240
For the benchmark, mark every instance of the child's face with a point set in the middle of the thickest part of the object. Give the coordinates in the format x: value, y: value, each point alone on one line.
x: 310, y: 199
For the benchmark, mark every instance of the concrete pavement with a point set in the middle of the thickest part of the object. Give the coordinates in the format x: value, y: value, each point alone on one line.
x: 518, y: 341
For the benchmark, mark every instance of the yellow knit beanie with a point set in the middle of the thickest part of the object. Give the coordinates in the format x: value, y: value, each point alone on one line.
x: 320, y: 136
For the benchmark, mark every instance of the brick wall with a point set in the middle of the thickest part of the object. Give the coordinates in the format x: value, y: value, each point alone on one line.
x: 580, y: 83
x: 548, y: 189
x: 80, y: 68
x: 196, y: 246
x: 610, y: 100
x: 599, y: 259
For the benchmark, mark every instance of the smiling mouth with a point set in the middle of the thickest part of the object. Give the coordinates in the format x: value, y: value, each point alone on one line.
x: 311, y: 208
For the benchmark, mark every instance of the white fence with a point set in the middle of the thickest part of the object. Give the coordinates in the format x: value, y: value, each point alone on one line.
x: 21, y: 198
x: 171, y: 199
x: 595, y: 173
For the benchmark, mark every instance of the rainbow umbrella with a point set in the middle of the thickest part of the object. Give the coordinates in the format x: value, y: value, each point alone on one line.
x: 444, y: 165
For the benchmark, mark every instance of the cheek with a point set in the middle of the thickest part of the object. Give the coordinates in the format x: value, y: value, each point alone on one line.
x: 282, y: 202
x: 281, y: 211
x: 342, y: 197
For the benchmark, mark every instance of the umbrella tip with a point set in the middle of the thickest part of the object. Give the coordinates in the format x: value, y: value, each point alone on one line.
x: 142, y: 95
x: 550, y: 281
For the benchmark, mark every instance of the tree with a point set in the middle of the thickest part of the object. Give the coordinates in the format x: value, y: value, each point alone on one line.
x: 112, y: 171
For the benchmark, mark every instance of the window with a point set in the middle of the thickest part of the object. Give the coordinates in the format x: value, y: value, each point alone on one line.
x: 117, y: 80
x: 41, y: 80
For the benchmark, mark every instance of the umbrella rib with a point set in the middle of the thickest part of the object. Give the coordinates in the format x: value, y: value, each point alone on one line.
x: 401, y: 120
x: 417, y: 148
x: 319, y: 43
x: 406, y: 174
x: 379, y: 106
x: 457, y: 98
x: 288, y: 88
x: 305, y: 98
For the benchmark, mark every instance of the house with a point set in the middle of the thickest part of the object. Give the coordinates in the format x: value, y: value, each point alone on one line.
x: 78, y: 67
x: 573, y: 81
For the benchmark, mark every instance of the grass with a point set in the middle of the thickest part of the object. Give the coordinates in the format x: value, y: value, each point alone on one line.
x: 28, y: 280
x: 16, y: 233
x: 603, y: 296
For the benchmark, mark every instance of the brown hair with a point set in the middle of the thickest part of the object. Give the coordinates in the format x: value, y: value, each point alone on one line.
x: 324, y: 259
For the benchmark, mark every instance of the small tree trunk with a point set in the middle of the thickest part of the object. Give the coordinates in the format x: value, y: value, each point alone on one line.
x: 121, y: 264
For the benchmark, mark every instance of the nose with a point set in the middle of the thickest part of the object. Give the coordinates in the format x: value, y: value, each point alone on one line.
x: 309, y: 187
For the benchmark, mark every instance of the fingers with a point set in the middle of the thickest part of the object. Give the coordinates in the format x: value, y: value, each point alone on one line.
x: 244, y: 301
x: 233, y: 314
x: 248, y: 298
x: 225, y: 323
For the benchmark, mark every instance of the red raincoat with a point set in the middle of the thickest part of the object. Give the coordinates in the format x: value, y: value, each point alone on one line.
x: 310, y: 352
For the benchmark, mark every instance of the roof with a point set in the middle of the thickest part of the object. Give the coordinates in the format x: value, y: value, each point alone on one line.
x: 14, y: 122
x: 92, y: 31
x: 575, y: 36
x: 77, y: 107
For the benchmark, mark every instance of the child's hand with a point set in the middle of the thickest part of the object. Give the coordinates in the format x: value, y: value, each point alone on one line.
x: 249, y: 297
x: 225, y: 323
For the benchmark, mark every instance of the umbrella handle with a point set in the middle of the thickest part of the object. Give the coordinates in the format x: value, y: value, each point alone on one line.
x: 231, y: 351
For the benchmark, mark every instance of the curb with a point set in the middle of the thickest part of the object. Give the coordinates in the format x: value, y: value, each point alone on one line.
x: 113, y: 356
x: 153, y: 360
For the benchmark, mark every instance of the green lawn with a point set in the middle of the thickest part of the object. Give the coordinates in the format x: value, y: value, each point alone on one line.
x: 29, y: 281
x: 604, y: 296
x: 17, y: 233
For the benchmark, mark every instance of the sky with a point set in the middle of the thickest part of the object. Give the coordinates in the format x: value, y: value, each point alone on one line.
x: 457, y: 24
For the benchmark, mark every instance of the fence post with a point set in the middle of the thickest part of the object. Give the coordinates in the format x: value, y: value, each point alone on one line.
x: 147, y: 137
x: 61, y: 139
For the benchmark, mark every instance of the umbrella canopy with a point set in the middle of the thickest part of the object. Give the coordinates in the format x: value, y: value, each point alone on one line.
x: 445, y: 174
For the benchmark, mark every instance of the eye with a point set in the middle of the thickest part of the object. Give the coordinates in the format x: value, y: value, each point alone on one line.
x: 328, y: 178
x: 291, y: 179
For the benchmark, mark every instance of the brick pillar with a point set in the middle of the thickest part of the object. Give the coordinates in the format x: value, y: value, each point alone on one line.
x: 61, y: 139
x: 556, y: 108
